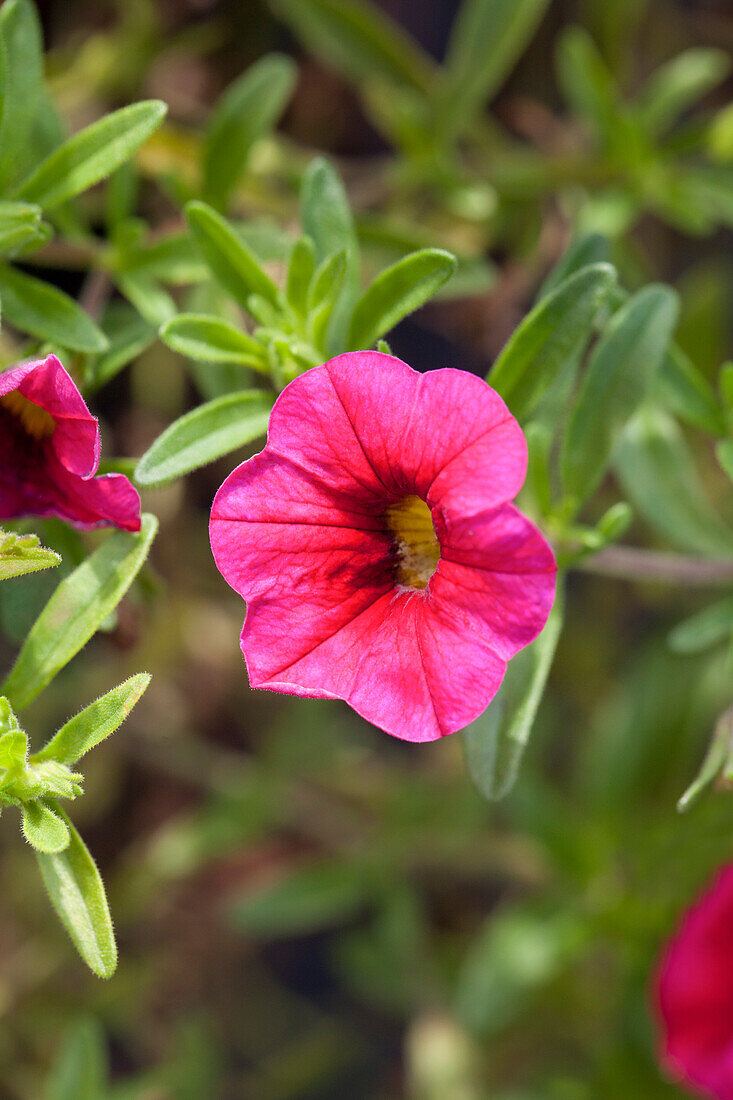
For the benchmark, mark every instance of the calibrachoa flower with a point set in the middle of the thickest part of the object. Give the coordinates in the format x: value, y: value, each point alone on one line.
x: 694, y: 994
x: 49, y: 453
x: 374, y: 543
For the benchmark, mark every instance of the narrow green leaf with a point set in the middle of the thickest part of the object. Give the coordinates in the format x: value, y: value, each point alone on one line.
x: 704, y: 629
x: 534, y: 355
x: 78, y: 607
x: 583, y: 251
x: 203, y: 435
x: 80, y: 1070
x: 144, y: 292
x: 357, y: 38
x: 724, y: 455
x: 327, y: 280
x: 246, y: 111
x: 44, y: 311
x: 77, y: 894
x: 620, y: 373
x: 20, y: 223
x: 495, y: 742
x: 43, y: 829
x: 230, y: 260
x: 21, y: 84
x: 93, y: 153
x: 95, y: 723
x: 129, y: 336
x: 212, y: 340
x: 719, y: 760
x: 300, y: 272
x: 488, y: 38
x: 590, y: 89
x: 326, y: 218
x: 397, y: 291
x: 657, y: 472
x: 308, y: 899
x: 685, y: 391
x: 20, y: 554
x: 677, y: 85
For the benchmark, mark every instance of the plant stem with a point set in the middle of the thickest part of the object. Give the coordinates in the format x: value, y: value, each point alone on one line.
x: 632, y: 564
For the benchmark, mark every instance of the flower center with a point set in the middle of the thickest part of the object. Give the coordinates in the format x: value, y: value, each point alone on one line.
x: 36, y: 421
x: 415, y: 543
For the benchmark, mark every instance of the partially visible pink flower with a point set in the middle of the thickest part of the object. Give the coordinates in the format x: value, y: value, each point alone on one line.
x: 49, y: 453
x: 694, y: 994
x: 374, y: 543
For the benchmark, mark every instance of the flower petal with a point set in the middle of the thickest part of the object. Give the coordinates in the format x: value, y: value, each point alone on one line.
x: 46, y: 383
x: 370, y: 419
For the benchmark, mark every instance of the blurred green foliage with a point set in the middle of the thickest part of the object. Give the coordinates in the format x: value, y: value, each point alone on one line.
x: 305, y: 907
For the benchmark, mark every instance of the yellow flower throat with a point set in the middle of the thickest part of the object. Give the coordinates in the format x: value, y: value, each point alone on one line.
x: 36, y: 421
x: 416, y: 546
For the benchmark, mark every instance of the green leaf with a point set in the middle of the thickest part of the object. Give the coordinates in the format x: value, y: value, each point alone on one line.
x: 685, y: 391
x: 78, y: 607
x: 590, y: 89
x: 95, y: 723
x: 583, y: 251
x: 153, y: 303
x: 358, y: 39
x: 495, y: 742
x: 300, y: 273
x: 80, y: 1070
x: 677, y: 85
x: 77, y: 894
x: 93, y: 153
x: 20, y: 554
x: 326, y: 218
x: 43, y: 829
x: 620, y: 373
x: 231, y: 261
x: 212, y: 340
x: 129, y: 336
x: 21, y: 84
x: 20, y: 223
x: 203, y: 435
x: 656, y: 469
x: 304, y: 901
x: 487, y: 40
x: 704, y: 629
x: 719, y: 760
x: 246, y: 111
x: 724, y: 455
x: 397, y: 291
x: 534, y: 355
x: 44, y: 311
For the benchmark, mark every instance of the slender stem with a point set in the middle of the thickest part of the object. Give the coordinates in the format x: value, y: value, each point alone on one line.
x: 632, y: 564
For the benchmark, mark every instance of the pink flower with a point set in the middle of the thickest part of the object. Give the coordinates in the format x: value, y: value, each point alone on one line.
x: 49, y: 453
x: 694, y: 994
x: 374, y: 543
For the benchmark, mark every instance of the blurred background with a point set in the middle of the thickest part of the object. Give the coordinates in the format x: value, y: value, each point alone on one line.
x: 305, y: 907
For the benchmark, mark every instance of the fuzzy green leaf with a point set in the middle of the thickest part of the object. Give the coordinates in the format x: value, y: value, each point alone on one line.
x: 549, y: 335
x: 495, y: 742
x: 44, y: 311
x: 246, y: 111
x: 398, y: 291
x: 77, y: 894
x: 704, y: 629
x: 208, y: 338
x: 678, y: 84
x: 620, y: 373
x: 43, y: 828
x: 95, y: 723
x: 20, y: 554
x: 93, y: 153
x: 77, y: 609
x: 232, y: 263
x: 21, y: 84
x: 718, y: 761
x: 203, y: 435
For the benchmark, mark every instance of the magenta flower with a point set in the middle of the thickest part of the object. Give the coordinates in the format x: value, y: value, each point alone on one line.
x: 694, y: 994
x: 49, y: 453
x: 374, y: 543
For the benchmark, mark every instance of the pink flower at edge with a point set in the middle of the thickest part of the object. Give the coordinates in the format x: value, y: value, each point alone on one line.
x: 355, y: 588
x: 693, y: 994
x: 49, y: 453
